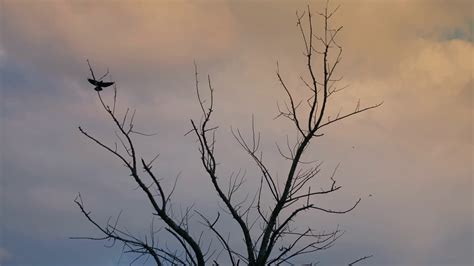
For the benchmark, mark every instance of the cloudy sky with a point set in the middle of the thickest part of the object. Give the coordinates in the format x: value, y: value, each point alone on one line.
x: 413, y: 154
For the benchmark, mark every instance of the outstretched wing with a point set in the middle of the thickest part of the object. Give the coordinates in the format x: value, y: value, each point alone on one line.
x: 105, y: 84
x: 93, y: 82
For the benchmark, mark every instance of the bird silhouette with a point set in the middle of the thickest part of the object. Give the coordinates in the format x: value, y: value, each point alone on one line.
x: 99, y: 85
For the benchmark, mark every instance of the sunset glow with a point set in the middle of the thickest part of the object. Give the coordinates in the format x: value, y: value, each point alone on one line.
x: 410, y: 160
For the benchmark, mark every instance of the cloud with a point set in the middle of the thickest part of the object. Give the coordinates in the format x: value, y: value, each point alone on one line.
x: 414, y: 154
x: 120, y: 33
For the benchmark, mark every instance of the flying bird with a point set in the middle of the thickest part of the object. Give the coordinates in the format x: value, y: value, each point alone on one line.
x: 100, y: 84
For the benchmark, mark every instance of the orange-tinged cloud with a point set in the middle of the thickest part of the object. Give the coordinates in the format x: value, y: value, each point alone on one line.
x: 124, y: 32
x: 414, y: 153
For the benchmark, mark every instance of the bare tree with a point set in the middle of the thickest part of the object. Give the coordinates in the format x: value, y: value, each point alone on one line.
x: 276, y: 239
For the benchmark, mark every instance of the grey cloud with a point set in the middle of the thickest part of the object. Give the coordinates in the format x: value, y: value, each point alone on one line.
x: 410, y: 154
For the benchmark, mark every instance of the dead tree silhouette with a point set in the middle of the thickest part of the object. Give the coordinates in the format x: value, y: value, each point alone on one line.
x: 275, y: 241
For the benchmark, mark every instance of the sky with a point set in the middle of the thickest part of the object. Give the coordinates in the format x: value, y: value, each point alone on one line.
x: 413, y: 155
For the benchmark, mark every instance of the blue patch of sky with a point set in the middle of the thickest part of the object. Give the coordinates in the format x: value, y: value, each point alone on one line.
x: 460, y: 33
x: 27, y: 88
x: 27, y: 250
x: 19, y: 81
